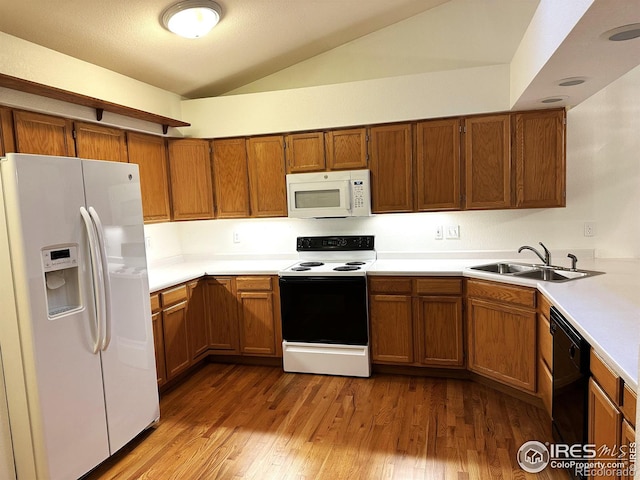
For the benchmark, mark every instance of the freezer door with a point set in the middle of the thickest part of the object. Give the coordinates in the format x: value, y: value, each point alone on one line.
x: 42, y: 197
x: 128, y: 361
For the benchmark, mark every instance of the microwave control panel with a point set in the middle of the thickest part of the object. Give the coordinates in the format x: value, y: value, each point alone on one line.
x: 358, y: 193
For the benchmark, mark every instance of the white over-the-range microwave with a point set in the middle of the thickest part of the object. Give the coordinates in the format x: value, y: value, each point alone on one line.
x: 329, y: 194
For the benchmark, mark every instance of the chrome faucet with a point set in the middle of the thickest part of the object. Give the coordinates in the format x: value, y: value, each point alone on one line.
x: 574, y: 261
x: 547, y: 254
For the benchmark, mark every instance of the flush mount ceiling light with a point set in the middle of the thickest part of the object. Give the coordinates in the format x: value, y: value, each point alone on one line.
x: 571, y: 81
x: 559, y: 98
x: 191, y: 18
x: 626, y: 32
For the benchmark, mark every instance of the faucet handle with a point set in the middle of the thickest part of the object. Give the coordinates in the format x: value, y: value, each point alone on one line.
x: 574, y: 261
x: 547, y: 254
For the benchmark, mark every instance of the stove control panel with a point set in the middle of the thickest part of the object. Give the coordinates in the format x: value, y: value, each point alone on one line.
x: 335, y: 243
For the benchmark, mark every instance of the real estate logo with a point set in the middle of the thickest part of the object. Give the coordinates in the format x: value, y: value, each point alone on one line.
x: 533, y: 456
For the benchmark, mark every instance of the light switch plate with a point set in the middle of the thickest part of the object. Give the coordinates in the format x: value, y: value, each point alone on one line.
x: 439, y: 234
x: 453, y: 232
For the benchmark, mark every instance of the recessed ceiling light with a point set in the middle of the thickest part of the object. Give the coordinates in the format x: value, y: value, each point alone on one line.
x: 571, y: 81
x: 191, y: 18
x: 626, y: 32
x: 559, y: 98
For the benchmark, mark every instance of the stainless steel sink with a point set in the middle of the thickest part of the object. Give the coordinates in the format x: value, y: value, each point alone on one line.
x: 505, y: 268
x: 535, y: 272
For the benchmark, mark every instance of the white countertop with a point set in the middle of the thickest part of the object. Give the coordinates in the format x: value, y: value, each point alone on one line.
x: 605, y: 309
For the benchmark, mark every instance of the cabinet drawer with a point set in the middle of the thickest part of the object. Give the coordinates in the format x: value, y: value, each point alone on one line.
x: 390, y: 285
x: 606, y: 378
x: 439, y: 286
x: 174, y: 295
x: 253, y: 283
x: 155, y: 302
x: 545, y: 341
x: 628, y: 407
x: 502, y: 292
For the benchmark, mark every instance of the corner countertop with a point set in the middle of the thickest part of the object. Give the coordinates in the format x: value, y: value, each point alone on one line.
x: 605, y: 309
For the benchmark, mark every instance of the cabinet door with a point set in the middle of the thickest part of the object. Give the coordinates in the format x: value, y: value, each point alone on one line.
x: 305, y: 152
x: 224, y: 337
x: 603, y: 422
x: 150, y: 154
x: 391, y: 169
x: 176, y: 339
x: 391, y: 331
x: 257, y: 323
x: 438, y: 165
x: 7, y: 141
x: 346, y: 149
x: 488, y: 162
x: 158, y: 342
x: 43, y: 134
x: 100, y: 143
x: 267, y: 176
x: 439, y: 331
x: 190, y: 178
x: 540, y: 176
x: 231, y: 178
x: 197, y: 320
x: 502, y: 343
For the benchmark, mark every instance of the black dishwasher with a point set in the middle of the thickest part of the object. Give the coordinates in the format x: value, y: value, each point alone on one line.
x: 570, y: 382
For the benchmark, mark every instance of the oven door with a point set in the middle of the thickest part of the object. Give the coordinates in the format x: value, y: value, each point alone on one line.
x: 329, y: 310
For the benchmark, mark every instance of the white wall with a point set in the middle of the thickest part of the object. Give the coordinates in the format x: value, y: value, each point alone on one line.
x: 410, y: 97
x: 603, y: 186
x: 28, y: 61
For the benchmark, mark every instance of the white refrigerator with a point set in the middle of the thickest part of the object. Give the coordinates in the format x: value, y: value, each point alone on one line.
x: 75, y: 329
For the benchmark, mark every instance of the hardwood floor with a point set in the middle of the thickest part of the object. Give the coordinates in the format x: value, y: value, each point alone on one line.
x: 247, y: 422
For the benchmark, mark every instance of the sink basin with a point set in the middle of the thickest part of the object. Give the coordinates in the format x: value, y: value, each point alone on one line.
x: 535, y: 272
x: 505, y: 268
x: 551, y: 275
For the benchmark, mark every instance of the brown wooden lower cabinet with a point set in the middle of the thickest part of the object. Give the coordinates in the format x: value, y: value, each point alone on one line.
x: 501, y: 333
x: 611, y: 415
x: 416, y: 321
x: 215, y: 316
x: 222, y: 312
x: 197, y: 321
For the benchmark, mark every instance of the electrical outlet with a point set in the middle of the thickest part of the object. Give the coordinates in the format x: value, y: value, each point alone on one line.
x: 236, y: 237
x: 589, y: 229
x: 453, y: 232
x: 439, y: 235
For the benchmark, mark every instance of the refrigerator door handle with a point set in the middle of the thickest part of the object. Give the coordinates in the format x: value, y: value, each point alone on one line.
x: 105, y: 289
x: 96, y: 277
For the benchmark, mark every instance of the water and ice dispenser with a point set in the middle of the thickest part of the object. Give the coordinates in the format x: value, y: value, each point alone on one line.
x: 61, y: 274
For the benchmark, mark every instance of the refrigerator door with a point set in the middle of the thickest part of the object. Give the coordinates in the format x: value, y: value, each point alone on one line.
x: 63, y: 377
x: 128, y: 361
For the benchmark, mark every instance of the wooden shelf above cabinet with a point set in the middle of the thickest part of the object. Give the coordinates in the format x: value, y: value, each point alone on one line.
x: 100, y: 106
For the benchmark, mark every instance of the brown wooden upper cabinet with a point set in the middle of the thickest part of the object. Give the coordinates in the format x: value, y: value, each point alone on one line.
x: 488, y: 162
x: 231, y: 178
x: 267, y: 176
x: 7, y: 141
x: 149, y: 152
x: 391, y: 168
x: 346, y: 149
x: 305, y: 152
x: 100, y: 143
x: 438, y: 165
x: 43, y: 134
x: 539, y: 152
x: 190, y: 177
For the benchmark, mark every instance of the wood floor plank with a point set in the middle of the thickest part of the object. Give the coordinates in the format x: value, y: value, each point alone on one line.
x: 247, y: 422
